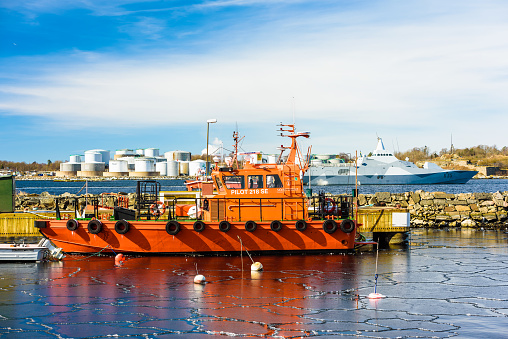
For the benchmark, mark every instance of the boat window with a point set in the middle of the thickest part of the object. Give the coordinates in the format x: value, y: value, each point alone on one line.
x: 234, y: 181
x: 255, y: 181
x: 218, y: 183
x: 273, y: 181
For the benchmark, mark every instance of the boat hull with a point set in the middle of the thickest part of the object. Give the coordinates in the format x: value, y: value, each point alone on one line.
x: 147, y: 237
x: 443, y: 177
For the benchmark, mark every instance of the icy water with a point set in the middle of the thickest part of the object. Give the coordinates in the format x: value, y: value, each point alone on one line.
x: 445, y: 284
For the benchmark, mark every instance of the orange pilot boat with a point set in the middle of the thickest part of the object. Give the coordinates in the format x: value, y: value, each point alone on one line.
x: 255, y: 206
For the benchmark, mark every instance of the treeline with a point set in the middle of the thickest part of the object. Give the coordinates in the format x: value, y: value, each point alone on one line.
x: 482, y: 155
x: 29, y: 167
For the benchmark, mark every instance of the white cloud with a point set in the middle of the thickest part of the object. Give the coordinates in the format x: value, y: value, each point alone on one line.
x: 437, y: 71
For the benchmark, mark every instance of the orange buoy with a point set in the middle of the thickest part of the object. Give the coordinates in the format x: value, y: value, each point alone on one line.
x: 119, y: 259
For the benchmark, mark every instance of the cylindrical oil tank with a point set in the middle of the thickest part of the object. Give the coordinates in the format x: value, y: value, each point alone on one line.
x: 162, y: 168
x: 75, y: 158
x: 104, y: 155
x: 70, y: 167
x: 130, y: 160
x: 93, y: 156
x: 184, y: 167
x: 125, y: 151
x: 152, y: 152
x: 144, y: 165
x: 93, y: 167
x: 197, y: 167
x: 178, y: 155
x: 173, y: 168
x: 140, y: 151
x: 118, y: 166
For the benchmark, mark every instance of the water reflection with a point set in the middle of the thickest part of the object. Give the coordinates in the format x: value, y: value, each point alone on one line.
x: 442, y: 284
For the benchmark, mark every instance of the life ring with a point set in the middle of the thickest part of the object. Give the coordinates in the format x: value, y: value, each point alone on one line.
x: 224, y: 226
x: 199, y: 226
x: 94, y: 226
x: 276, y: 225
x: 301, y: 225
x: 347, y: 225
x: 329, y: 226
x: 72, y: 224
x: 329, y: 206
x: 250, y: 226
x: 172, y: 227
x: 157, y: 209
x: 122, y: 226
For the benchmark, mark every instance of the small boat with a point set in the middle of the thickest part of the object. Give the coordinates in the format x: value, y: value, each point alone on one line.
x: 243, y: 205
x: 381, y: 168
x: 44, y: 250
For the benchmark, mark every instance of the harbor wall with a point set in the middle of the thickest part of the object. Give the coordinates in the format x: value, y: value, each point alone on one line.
x: 439, y: 209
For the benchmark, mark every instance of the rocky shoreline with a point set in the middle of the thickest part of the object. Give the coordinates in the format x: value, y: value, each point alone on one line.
x: 427, y: 209
x: 439, y: 209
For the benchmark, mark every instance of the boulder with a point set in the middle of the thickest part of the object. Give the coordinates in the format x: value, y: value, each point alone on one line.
x: 383, y: 197
x: 468, y: 223
x: 415, y: 196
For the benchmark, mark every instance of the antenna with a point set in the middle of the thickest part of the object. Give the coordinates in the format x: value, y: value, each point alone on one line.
x: 293, y: 108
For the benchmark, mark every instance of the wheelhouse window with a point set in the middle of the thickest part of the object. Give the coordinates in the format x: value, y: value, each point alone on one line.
x: 255, y: 181
x: 218, y: 183
x: 273, y: 181
x: 234, y: 181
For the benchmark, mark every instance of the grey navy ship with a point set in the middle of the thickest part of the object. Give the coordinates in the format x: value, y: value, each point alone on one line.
x: 381, y: 168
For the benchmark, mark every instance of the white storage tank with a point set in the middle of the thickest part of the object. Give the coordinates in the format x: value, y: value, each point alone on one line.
x: 152, y: 152
x: 104, y: 155
x: 144, y: 165
x: 184, y: 167
x: 93, y: 156
x: 140, y: 151
x: 162, y: 168
x: 118, y: 166
x: 75, y: 158
x: 178, y: 155
x: 173, y: 168
x: 272, y: 158
x: 70, y: 167
x: 93, y: 167
x: 197, y: 167
x: 124, y: 151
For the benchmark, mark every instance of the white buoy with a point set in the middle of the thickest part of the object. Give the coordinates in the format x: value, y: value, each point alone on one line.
x: 376, y: 295
x: 257, y: 266
x: 199, y: 279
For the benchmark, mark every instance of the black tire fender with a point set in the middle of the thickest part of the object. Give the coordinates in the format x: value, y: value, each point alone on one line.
x: 173, y: 227
x: 276, y: 225
x: 199, y: 226
x: 94, y: 226
x: 329, y: 226
x: 301, y: 225
x: 72, y: 224
x: 347, y: 225
x: 224, y: 226
x: 122, y: 226
x: 250, y: 226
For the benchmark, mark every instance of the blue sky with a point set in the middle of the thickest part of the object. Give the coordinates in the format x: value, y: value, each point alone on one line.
x: 78, y: 75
